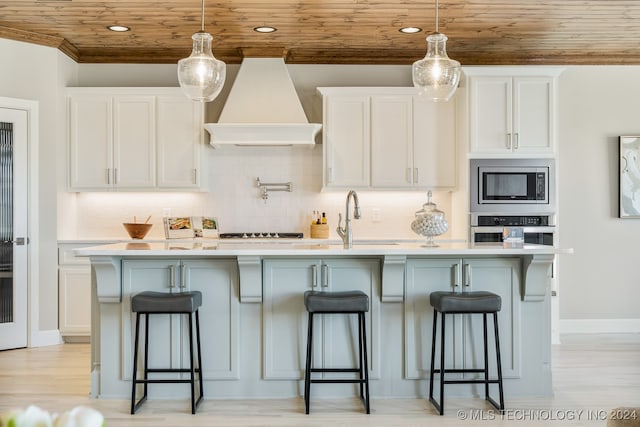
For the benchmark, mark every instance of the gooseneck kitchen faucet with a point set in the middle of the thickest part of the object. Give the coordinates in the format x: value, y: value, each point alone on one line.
x: 345, y: 233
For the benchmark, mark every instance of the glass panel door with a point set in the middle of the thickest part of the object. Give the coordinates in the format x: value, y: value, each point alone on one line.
x: 6, y: 222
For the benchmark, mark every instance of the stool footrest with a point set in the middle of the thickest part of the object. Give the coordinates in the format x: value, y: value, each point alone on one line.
x: 334, y: 370
x: 337, y: 381
x: 169, y: 370
x: 163, y: 381
x: 478, y: 381
x: 460, y: 371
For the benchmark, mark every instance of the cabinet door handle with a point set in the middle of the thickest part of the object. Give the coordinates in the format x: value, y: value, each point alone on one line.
x: 408, y: 176
x: 416, y: 176
x: 195, y: 176
x: 172, y: 276
x: 183, y: 276
x: 108, y: 173
x: 314, y: 276
x: 325, y: 276
x: 509, y: 141
x: 516, y: 143
x: 467, y: 275
x: 330, y: 174
x: 116, y: 176
x: 455, y: 272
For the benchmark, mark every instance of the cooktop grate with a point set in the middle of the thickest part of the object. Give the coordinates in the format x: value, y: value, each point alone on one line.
x: 259, y: 235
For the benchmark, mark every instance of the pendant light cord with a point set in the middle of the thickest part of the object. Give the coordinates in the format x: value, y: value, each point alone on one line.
x: 202, y: 20
x: 436, y: 14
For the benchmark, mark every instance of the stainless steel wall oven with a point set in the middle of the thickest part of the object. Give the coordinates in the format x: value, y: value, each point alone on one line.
x: 513, y: 193
x: 537, y: 229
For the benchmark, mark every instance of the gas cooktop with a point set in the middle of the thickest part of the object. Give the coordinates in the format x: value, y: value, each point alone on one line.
x: 254, y: 235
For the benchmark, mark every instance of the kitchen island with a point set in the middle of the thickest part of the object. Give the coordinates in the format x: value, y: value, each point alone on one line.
x: 253, y: 321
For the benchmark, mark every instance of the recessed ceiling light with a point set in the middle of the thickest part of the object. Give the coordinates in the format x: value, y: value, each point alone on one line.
x: 118, y: 28
x: 410, y: 30
x: 265, y: 29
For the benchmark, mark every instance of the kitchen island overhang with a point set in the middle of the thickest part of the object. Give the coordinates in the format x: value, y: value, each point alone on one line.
x: 394, y: 274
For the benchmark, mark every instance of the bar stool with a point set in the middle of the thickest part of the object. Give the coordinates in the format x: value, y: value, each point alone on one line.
x: 349, y: 302
x: 479, y: 302
x: 148, y: 303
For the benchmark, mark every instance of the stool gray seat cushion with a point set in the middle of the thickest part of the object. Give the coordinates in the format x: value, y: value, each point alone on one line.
x: 161, y: 302
x: 465, y: 302
x: 339, y: 302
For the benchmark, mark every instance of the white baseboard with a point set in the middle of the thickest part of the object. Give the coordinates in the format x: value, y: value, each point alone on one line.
x: 44, y: 338
x: 599, y: 326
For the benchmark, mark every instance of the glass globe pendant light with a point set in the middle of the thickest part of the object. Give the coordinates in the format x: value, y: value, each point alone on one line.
x: 201, y: 75
x: 436, y: 75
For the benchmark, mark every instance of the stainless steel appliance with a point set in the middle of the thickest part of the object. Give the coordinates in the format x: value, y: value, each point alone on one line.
x: 537, y: 229
x: 520, y: 186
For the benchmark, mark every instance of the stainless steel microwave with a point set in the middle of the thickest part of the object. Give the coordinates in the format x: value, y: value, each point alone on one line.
x: 524, y: 186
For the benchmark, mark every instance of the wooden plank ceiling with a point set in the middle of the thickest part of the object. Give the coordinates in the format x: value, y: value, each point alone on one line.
x: 333, y: 31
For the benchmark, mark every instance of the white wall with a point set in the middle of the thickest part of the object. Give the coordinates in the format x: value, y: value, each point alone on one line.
x: 599, y: 281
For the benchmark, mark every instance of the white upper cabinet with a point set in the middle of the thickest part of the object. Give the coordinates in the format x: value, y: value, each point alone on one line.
x: 391, y: 141
x: 90, y: 142
x: 134, y: 151
x: 346, y: 142
x: 179, y: 138
x: 386, y: 138
x: 434, y: 143
x: 512, y: 114
x: 133, y: 139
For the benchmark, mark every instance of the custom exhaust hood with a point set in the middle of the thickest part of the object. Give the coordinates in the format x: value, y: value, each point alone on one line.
x: 262, y: 109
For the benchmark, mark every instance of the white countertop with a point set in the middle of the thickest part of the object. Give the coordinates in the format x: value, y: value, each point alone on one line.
x: 217, y: 248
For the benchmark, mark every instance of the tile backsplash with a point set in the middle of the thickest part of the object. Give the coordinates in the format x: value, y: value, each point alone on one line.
x: 234, y: 198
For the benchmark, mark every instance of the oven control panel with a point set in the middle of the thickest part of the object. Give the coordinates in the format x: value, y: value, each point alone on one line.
x: 512, y: 220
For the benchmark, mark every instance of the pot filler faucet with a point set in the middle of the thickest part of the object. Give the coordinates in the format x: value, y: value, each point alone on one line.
x: 345, y: 233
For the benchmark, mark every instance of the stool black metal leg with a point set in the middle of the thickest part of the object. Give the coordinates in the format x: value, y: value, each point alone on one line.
x: 433, y: 355
x: 366, y: 364
x: 199, y: 360
x: 360, y: 357
x: 486, y: 357
x: 192, y: 372
x: 442, y: 334
x: 135, y: 365
x: 499, y: 361
x: 146, y: 356
x: 307, y: 372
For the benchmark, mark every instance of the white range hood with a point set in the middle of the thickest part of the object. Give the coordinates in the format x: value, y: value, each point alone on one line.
x: 262, y: 109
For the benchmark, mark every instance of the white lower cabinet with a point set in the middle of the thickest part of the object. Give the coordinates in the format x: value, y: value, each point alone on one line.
x: 168, y: 342
x: 335, y: 335
x: 464, y: 348
x: 74, y: 294
x: 74, y: 287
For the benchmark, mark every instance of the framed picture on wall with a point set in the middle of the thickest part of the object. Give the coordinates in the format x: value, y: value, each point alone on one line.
x: 629, y: 179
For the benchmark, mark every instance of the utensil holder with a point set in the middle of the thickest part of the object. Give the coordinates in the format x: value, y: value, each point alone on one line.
x: 319, y: 231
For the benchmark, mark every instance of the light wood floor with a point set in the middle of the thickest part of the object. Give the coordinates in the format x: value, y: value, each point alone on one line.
x: 592, y: 375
